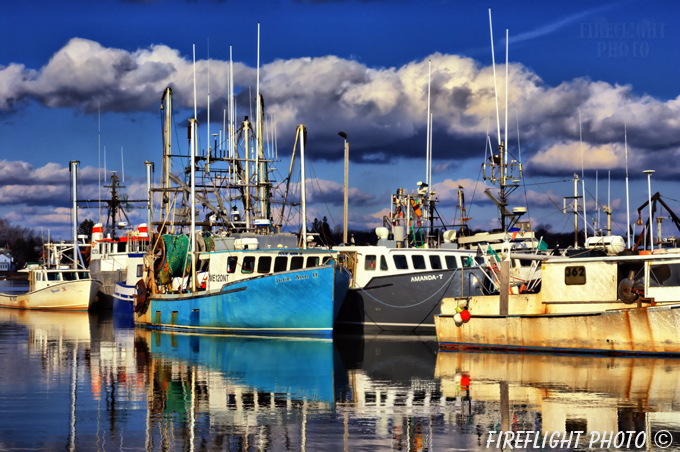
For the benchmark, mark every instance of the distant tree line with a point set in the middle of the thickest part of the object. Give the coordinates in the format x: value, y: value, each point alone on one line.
x: 24, y: 244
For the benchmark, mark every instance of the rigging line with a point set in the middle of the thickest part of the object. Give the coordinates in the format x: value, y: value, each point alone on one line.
x: 551, y: 182
x: 546, y: 216
x: 546, y: 194
x: 472, y: 200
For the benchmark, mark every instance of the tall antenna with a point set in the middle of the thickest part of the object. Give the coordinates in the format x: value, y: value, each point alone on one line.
x: 501, y: 169
x: 257, y: 97
x: 583, y: 179
x: 99, y: 152
x: 495, y: 89
x: 195, y: 111
x: 122, y: 164
x: 427, y: 147
x: 207, y: 169
x: 505, y: 140
x: 625, y: 140
x: 597, y: 205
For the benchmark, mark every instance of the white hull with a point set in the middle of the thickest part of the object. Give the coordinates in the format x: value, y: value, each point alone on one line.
x: 65, y: 296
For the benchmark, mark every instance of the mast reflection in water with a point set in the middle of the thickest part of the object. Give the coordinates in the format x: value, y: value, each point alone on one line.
x: 78, y: 381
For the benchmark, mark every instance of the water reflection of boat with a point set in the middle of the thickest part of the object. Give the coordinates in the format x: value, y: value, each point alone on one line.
x: 263, y: 367
x: 50, y: 325
x: 563, y: 393
x: 390, y: 396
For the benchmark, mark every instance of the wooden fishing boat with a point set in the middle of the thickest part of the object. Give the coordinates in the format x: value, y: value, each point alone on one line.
x: 626, y: 304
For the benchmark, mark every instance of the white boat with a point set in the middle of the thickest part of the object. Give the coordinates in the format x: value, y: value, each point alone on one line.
x: 54, y: 289
x: 113, y: 243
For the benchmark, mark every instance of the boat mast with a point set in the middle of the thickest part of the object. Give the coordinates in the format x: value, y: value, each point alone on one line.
x: 192, y: 240
x: 246, y: 179
x: 149, y: 205
x: 74, y: 168
x: 302, y: 131
x: 583, y: 181
x: 625, y: 139
x: 166, y: 107
x: 207, y: 162
x: 259, y: 185
x: 192, y: 130
x: 500, y: 168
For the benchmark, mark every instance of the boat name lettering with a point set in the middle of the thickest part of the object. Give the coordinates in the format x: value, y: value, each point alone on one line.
x: 218, y: 278
x: 289, y: 253
x: 283, y: 279
x: 301, y: 277
x: 426, y: 278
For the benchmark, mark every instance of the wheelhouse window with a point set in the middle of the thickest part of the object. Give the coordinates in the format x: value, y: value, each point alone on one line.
x: 248, y: 265
x: 312, y: 261
x: 451, y: 262
x: 140, y: 268
x: 53, y: 276
x: 84, y: 275
x: 280, y: 264
x: 69, y: 276
x: 231, y: 264
x: 370, y: 262
x: 264, y: 264
x: 418, y: 262
x: 435, y: 262
x: 400, y: 262
x: 296, y: 262
x: 664, y: 275
x: 383, y: 263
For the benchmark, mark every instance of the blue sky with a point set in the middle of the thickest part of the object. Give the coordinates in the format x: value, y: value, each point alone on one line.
x: 355, y: 66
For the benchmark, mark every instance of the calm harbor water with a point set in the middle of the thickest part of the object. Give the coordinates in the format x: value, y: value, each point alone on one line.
x: 79, y: 381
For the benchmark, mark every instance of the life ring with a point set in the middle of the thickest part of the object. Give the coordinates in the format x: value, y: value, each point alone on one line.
x: 140, y: 297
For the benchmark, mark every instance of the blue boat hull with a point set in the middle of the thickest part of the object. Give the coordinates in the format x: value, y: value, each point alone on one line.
x: 300, y: 302
x: 123, y: 303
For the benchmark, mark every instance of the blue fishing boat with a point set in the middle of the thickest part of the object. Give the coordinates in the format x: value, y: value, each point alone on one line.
x: 238, y: 274
x: 255, y: 298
